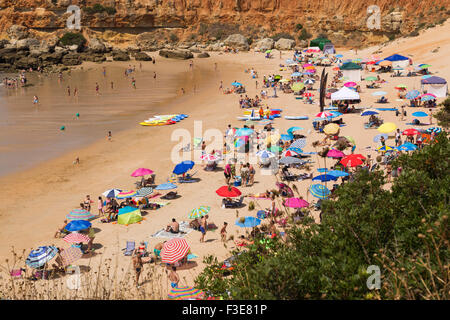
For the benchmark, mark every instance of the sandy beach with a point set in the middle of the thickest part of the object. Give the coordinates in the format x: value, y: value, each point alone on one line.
x: 35, y: 200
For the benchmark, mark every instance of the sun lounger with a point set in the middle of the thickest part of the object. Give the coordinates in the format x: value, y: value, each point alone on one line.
x: 234, y: 204
x: 131, y: 246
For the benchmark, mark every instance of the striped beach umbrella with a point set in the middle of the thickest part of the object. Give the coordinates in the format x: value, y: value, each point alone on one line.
x: 40, y: 256
x: 324, y: 114
x: 385, y: 148
x: 75, y: 237
x: 111, y: 193
x: 79, y: 214
x: 70, y: 255
x: 185, y: 293
x: 143, y: 192
x: 209, y: 157
x: 174, y: 250
x: 126, y: 194
x: 199, y: 212
x: 427, y: 97
x: 319, y: 191
x: 299, y: 143
x: 289, y: 153
x: 412, y: 94
x: 434, y: 129
x: 298, y: 150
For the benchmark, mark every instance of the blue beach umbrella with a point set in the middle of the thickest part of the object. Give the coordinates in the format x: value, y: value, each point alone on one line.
x: 419, y: 114
x: 183, y: 167
x: 427, y: 98
x: 166, y: 186
x: 377, y: 138
x: 292, y: 129
x: 298, y: 150
x: 319, y: 191
x: 40, y: 256
x: 369, y: 113
x: 286, y: 137
x: 78, y: 225
x: 434, y: 129
x: 325, y: 177
x: 249, y: 222
x: 236, y: 84
x: 412, y: 94
x: 296, y: 74
x: 337, y: 173
x: 243, y: 132
x: 385, y: 148
x: 407, y: 146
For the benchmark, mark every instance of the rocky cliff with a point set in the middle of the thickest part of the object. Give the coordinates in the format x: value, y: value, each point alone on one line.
x: 169, y: 21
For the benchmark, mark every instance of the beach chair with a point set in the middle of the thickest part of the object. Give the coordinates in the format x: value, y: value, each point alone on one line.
x: 234, y: 204
x: 187, y: 178
x: 131, y: 246
x: 198, y: 143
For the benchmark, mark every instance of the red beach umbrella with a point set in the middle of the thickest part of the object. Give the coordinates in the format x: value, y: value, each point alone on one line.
x: 352, y: 160
x: 228, y: 192
x: 76, y: 238
x: 174, y: 250
x: 410, y: 132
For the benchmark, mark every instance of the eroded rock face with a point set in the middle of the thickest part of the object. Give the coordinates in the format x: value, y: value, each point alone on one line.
x: 176, y: 54
x: 285, y: 44
x: 203, y: 55
x: 237, y: 41
x: 264, y: 44
x: 120, y: 56
x: 142, y: 56
x: 97, y: 46
x: 17, y: 32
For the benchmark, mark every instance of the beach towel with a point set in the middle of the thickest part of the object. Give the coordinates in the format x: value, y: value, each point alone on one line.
x: 261, y: 198
x: 184, y: 228
x: 161, y: 203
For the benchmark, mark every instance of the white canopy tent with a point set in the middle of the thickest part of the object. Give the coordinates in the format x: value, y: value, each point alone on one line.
x: 345, y: 94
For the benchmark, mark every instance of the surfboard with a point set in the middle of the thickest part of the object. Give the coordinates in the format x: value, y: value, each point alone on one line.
x: 296, y: 117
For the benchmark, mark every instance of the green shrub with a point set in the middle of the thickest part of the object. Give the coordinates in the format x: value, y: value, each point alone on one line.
x: 282, y: 35
x: 298, y: 27
x: 304, y: 35
x: 98, y: 8
x: 173, y: 37
x: 71, y: 38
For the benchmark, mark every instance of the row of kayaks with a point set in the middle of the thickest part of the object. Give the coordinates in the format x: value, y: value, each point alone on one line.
x: 254, y: 115
x: 163, y: 120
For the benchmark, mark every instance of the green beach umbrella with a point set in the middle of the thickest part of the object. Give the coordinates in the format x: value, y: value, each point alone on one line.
x: 129, y: 215
x: 297, y: 86
x: 268, y: 51
x: 199, y: 212
x: 424, y: 66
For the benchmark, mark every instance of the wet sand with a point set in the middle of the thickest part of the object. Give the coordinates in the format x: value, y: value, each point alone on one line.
x: 34, y: 202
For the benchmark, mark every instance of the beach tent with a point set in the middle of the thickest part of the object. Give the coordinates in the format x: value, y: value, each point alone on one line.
x: 129, y: 215
x: 351, y: 71
x: 398, y: 61
x: 435, y: 85
x: 345, y: 94
x: 328, y: 48
x: 319, y: 42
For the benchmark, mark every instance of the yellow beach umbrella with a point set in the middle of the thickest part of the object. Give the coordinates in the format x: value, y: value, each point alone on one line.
x: 284, y: 80
x: 297, y: 86
x: 331, y: 128
x: 273, y: 139
x: 387, y: 127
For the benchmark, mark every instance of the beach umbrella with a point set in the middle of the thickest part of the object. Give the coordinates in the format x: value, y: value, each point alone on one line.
x: 239, y: 142
x: 292, y: 160
x: 350, y: 139
x: 296, y: 74
x: 174, y: 250
x: 412, y: 94
x: 129, y: 215
x: 434, y: 129
x: 319, y: 191
x: 369, y: 112
x: 297, y: 86
x: 111, y: 193
x: 79, y: 214
x: 387, y: 127
x: 185, y: 293
x: 426, y: 76
x: 309, y: 81
x: 298, y: 150
x: 286, y: 137
x: 292, y: 129
x: 337, y: 173
x: 289, y: 153
x: 331, y: 128
x: 379, y: 93
x: 284, y: 80
x: 401, y: 87
x: 419, y: 114
x: 307, y: 65
x: 407, y: 146
x: 385, y: 148
x: 350, y: 84
x: 324, y: 114
x: 324, y: 177
x: 209, y: 157
x: 299, y: 143
x: 308, y: 95
x: 242, y: 132
x: 333, y: 153
x: 273, y: 138
x: 78, y: 225
x: 377, y: 138
x: 199, y: 212
x: 228, y: 192
x: 141, y: 172
x: 76, y: 238
x: 236, y: 84
x: 424, y: 66
x: 351, y: 161
x: 410, y: 132
x: 336, y: 69
x: 371, y: 78
x: 385, y: 63
x: 268, y: 51
x: 126, y: 194
x: 183, y: 167
x: 166, y: 186
x: 310, y: 71
x: 427, y: 98
x: 264, y: 154
x: 70, y: 255
x: 296, y: 203
x: 249, y: 222
x: 143, y: 192
x: 339, y: 56
x: 40, y: 256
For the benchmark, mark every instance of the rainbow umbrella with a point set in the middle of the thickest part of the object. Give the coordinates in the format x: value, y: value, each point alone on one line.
x: 319, y: 191
x: 185, y: 293
x: 79, y: 214
x: 174, y: 250
x: 126, y: 194
x: 199, y: 212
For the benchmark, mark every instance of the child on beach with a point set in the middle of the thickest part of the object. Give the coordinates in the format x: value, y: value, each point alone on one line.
x: 35, y: 100
x: 109, y: 136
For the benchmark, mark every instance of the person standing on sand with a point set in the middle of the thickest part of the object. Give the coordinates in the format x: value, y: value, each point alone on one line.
x: 215, y: 66
x: 104, y: 71
x: 203, y: 226
x: 97, y: 89
x: 223, y: 232
x: 137, y: 264
x: 173, y: 277
x: 100, y: 206
x: 431, y: 116
x: 154, y: 75
x: 182, y: 90
x: 221, y: 85
x: 87, y: 203
x: 154, y: 60
x: 109, y: 136
x: 112, y: 85
x: 140, y: 66
x: 68, y: 91
x: 133, y: 82
x: 75, y: 92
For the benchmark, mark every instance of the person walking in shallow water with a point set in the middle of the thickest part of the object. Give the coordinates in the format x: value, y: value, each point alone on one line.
x: 109, y: 136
